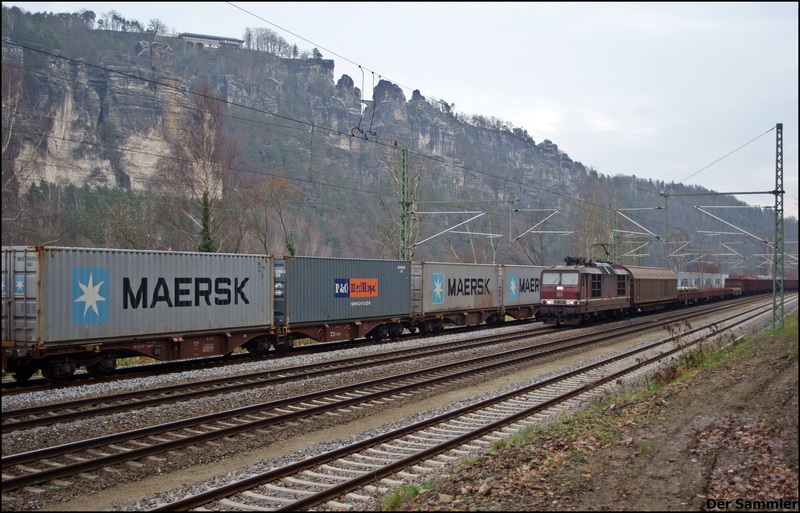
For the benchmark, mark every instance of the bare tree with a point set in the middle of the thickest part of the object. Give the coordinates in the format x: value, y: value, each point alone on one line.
x: 528, y: 249
x: 11, y: 98
x: 390, y: 227
x: 312, y: 243
x: 248, y: 38
x: 17, y: 171
x: 266, y: 40
x: 270, y: 213
x: 113, y: 20
x: 41, y: 215
x: 592, y: 227
x: 193, y: 182
x: 157, y: 26
x: 130, y: 222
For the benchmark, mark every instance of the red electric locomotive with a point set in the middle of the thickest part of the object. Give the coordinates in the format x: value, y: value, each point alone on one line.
x: 582, y: 291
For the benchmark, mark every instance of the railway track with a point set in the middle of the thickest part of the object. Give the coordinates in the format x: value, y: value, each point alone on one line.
x: 29, y: 417
x: 236, y: 426
x: 47, y: 414
x: 12, y: 387
x: 354, y: 473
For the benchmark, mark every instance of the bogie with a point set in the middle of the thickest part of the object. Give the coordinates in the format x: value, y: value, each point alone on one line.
x: 58, y: 370
x: 103, y: 366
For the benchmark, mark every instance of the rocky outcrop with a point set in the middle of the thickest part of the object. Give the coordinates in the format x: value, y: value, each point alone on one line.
x: 89, y: 114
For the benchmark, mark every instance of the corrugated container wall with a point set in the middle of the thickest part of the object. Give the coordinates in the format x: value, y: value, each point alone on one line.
x: 522, y: 285
x: 338, y: 289
x: 448, y: 287
x: 83, y: 294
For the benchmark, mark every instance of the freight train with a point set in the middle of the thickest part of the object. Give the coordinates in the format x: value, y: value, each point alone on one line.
x: 65, y: 308
x: 583, y: 292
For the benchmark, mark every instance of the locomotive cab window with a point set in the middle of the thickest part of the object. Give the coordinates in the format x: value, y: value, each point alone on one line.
x: 551, y: 278
x: 559, y: 280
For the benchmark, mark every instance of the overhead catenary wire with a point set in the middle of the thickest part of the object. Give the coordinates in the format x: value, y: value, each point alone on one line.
x: 311, y: 127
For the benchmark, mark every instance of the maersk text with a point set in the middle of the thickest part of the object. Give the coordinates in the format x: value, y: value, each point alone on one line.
x: 468, y: 286
x: 186, y: 291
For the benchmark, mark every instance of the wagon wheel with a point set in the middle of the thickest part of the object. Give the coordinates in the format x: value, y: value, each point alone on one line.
x: 24, y: 374
x: 103, y: 368
x: 379, y: 333
x: 258, y: 347
x: 284, y: 346
x: 395, y: 331
x: 58, y: 371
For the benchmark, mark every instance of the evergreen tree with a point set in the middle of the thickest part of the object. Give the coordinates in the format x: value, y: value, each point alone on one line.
x: 206, y: 242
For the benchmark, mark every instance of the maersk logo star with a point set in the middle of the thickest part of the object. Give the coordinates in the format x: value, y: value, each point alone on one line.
x: 90, y: 293
x: 90, y: 296
x: 438, y: 288
x: 512, y: 286
x: 19, y: 285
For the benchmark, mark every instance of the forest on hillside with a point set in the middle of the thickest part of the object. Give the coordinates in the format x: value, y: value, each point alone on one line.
x: 295, y: 168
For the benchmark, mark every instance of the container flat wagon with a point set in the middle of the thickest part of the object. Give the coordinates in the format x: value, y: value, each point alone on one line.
x: 64, y: 308
x: 333, y: 299
x: 700, y: 280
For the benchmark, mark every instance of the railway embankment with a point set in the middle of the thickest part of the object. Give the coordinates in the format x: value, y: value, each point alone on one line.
x: 716, y: 433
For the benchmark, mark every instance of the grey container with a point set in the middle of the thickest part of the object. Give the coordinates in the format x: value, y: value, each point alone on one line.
x: 319, y: 290
x: 522, y: 285
x: 68, y: 295
x: 701, y: 280
x: 450, y: 287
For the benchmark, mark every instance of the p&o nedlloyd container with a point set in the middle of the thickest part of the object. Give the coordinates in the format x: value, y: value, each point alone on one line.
x: 330, y: 299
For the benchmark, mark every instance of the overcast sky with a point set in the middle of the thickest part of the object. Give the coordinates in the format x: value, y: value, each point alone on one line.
x: 683, y: 92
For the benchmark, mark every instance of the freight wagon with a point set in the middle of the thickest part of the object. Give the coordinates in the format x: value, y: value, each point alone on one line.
x: 585, y: 292
x: 334, y: 299
x: 747, y: 285
x: 65, y: 308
